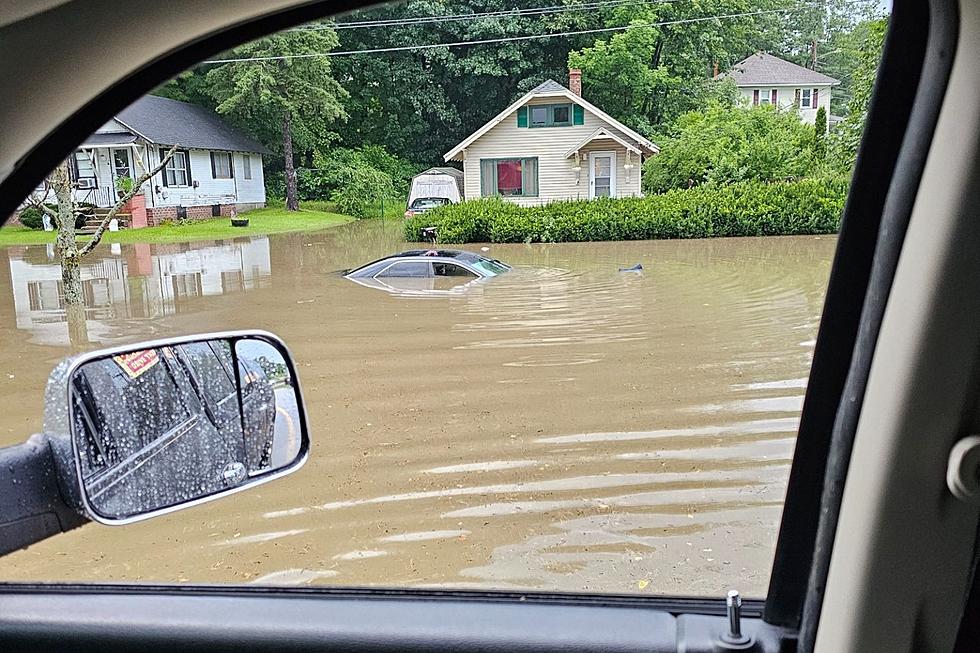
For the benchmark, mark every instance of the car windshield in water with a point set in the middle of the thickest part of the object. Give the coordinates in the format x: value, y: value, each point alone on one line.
x: 616, y: 413
x: 490, y: 268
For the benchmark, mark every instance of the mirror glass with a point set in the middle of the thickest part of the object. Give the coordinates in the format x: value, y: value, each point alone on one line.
x: 161, y: 427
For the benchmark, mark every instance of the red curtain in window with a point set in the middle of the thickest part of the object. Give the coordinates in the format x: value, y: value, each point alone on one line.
x: 755, y: 97
x: 509, y: 177
x: 774, y: 97
x: 816, y: 98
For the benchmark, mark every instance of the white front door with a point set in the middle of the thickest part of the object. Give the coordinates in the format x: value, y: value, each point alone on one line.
x: 602, y: 174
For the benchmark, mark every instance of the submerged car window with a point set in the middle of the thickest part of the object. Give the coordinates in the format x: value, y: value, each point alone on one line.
x: 406, y: 269
x: 655, y: 193
x: 450, y: 270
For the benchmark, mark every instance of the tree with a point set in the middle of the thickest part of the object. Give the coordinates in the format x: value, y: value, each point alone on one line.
x: 847, y: 135
x: 291, y: 102
x: 728, y: 144
x: 661, y: 66
x: 70, y: 253
x: 820, y: 134
x: 419, y: 103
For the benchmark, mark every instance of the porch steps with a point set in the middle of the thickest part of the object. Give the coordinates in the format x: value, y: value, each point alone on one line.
x: 95, y: 218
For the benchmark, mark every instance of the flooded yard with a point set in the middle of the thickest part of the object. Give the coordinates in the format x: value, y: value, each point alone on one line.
x: 565, y: 426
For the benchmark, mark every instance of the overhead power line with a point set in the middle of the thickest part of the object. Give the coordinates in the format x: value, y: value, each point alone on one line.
x: 502, y: 13
x: 504, y: 39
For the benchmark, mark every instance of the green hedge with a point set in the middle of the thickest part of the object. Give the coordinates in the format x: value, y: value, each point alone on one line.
x: 808, y: 206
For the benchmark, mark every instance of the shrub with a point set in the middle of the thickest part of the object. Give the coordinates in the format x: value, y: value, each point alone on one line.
x: 31, y: 217
x: 751, y: 208
x: 723, y: 145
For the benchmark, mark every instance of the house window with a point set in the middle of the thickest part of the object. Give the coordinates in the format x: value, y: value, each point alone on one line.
x: 221, y: 167
x: 246, y: 166
x: 551, y: 115
x: 509, y: 177
x: 765, y: 96
x: 806, y: 99
x: 177, y: 170
x: 82, y: 166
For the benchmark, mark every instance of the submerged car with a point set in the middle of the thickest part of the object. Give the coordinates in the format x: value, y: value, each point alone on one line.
x: 427, y: 271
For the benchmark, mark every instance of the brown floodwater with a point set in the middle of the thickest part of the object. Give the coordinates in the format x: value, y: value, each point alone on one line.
x: 565, y: 426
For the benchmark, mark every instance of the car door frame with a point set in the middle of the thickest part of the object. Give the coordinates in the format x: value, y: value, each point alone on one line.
x: 42, y: 613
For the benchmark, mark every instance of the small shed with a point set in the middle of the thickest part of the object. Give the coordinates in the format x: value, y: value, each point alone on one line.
x: 437, y: 182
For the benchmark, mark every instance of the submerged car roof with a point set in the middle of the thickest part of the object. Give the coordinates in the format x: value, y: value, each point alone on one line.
x: 442, y: 253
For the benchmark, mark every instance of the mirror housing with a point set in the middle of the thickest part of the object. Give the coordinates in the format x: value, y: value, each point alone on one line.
x: 143, y: 430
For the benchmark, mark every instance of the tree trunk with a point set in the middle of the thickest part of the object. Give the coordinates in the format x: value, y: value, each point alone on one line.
x: 71, y: 275
x: 292, y: 195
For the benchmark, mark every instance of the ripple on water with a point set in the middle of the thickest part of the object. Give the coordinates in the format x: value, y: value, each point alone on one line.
x: 294, y: 577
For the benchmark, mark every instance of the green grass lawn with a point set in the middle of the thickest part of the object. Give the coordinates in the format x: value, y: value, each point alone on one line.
x: 261, y: 221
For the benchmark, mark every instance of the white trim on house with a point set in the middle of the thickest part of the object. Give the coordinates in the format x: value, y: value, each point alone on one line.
x: 454, y: 154
x: 602, y: 133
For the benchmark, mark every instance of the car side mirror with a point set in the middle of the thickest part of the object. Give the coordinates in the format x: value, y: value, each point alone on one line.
x: 168, y: 424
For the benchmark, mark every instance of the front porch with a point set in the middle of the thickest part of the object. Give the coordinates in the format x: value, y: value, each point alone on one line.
x: 102, y: 163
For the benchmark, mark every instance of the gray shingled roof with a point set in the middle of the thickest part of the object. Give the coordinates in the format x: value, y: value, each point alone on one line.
x: 167, y: 122
x: 548, y: 86
x: 762, y: 69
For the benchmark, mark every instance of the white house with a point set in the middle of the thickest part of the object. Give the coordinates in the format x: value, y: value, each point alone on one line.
x: 765, y: 79
x: 216, y: 168
x: 552, y: 144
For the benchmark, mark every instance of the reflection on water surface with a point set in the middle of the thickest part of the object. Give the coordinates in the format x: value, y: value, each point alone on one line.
x: 564, y: 426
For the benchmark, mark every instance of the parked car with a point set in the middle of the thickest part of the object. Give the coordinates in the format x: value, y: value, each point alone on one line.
x: 424, y: 204
x: 434, y: 187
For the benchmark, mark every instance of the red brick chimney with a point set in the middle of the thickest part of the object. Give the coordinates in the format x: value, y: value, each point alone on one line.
x: 575, y: 81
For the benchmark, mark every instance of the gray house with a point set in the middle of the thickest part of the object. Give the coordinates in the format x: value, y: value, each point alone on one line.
x: 216, y: 169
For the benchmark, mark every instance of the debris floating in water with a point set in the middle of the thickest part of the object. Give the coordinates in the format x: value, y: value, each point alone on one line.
x: 636, y: 268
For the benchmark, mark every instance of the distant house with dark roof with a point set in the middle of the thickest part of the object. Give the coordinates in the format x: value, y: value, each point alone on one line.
x: 217, y: 168
x: 766, y: 79
x: 552, y: 144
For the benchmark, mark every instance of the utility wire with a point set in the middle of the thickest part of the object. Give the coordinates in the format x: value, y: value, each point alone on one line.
x: 506, y: 39
x: 502, y: 13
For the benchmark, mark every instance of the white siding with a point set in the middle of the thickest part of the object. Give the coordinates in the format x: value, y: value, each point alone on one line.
x: 250, y: 190
x: 557, y: 179
x: 786, y: 98
x: 209, y: 190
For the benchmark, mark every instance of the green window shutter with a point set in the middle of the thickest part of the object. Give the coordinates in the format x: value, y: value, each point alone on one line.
x: 529, y: 177
x: 488, y: 181
x: 578, y: 115
x: 522, y: 117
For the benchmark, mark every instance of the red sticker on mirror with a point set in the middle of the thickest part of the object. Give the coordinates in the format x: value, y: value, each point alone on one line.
x: 137, y: 362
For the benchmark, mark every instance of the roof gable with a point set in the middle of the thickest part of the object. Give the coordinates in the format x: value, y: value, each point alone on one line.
x: 167, y: 122
x: 551, y: 88
x: 762, y: 68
